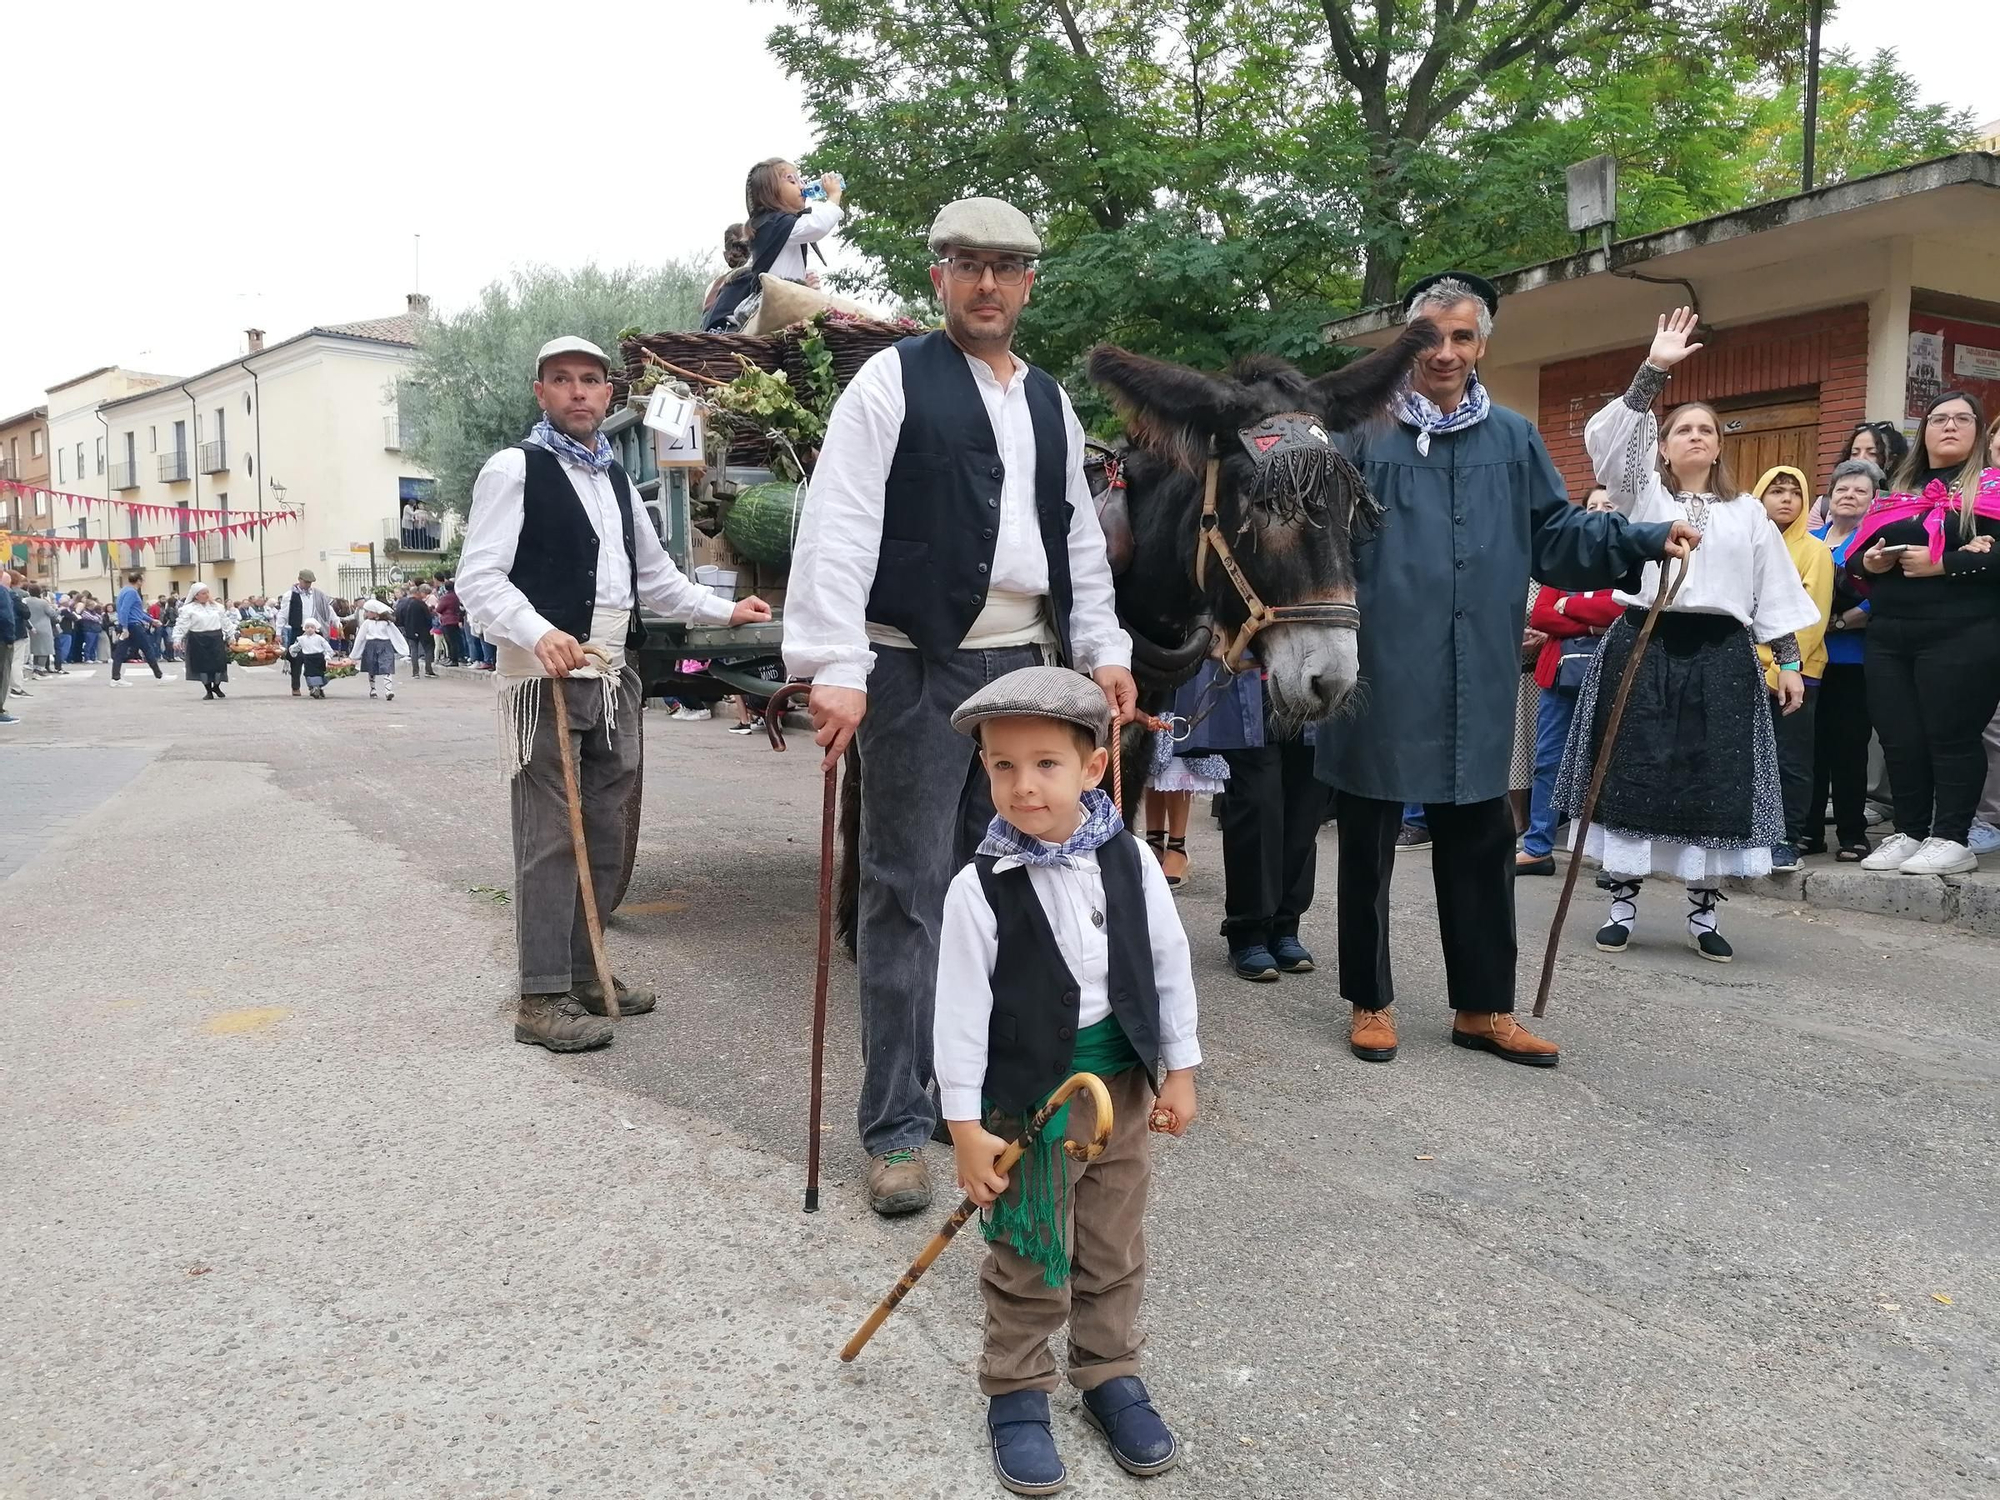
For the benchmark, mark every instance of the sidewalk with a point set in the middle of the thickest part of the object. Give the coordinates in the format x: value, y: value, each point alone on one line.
x: 1969, y: 902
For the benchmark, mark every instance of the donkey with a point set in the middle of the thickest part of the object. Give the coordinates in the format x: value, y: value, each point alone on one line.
x: 1286, y: 505
x: 1254, y: 448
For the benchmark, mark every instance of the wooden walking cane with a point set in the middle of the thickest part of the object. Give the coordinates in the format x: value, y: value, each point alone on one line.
x: 1662, y: 597
x: 774, y: 714
x: 1078, y: 1150
x: 585, y: 886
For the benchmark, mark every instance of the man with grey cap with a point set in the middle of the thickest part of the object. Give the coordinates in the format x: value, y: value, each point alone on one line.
x: 304, y: 601
x: 950, y: 539
x: 558, y: 558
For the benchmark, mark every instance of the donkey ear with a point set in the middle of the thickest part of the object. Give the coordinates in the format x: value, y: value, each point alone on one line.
x: 1359, y: 392
x: 1168, y: 407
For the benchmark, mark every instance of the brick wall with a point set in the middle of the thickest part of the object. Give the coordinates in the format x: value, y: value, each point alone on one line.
x: 1822, y: 354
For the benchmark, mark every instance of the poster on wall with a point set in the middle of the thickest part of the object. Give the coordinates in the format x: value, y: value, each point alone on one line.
x: 1974, y: 363
x: 1925, y: 373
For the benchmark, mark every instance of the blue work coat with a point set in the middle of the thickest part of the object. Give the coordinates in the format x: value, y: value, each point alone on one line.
x: 1443, y: 591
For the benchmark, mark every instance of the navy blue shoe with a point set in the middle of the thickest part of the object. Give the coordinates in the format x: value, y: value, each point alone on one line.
x: 1784, y: 857
x: 1024, y: 1444
x: 1293, y: 956
x: 1123, y: 1412
x: 1254, y: 963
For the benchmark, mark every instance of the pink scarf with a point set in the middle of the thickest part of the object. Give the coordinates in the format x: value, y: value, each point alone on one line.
x: 1933, y: 506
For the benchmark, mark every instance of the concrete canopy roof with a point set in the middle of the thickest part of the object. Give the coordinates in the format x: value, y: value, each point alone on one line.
x: 1951, y: 198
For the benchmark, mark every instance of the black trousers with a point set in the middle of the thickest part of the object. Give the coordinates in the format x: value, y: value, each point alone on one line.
x: 1271, y: 817
x: 139, y: 643
x: 1472, y: 854
x: 1932, y: 685
x: 1794, y: 733
x: 1841, y: 728
x: 423, y: 650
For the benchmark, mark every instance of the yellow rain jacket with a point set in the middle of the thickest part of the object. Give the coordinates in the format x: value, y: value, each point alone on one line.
x: 1815, y: 564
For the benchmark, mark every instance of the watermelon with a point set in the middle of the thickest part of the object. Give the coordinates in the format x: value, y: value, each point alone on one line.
x: 762, y: 520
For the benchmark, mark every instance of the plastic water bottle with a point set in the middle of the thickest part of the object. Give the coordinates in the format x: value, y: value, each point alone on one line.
x: 815, y: 191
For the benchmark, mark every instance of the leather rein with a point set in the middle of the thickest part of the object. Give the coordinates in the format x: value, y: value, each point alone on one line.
x: 1231, y: 651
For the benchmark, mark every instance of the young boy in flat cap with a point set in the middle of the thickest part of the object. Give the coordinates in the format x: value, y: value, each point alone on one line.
x: 1060, y: 952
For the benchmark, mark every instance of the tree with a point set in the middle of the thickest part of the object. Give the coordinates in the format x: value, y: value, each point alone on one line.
x: 1872, y: 118
x: 470, y: 392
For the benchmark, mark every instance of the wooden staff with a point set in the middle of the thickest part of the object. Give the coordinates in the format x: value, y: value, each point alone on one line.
x: 1079, y: 1150
x: 585, y: 887
x: 1662, y: 597
x: 775, y: 727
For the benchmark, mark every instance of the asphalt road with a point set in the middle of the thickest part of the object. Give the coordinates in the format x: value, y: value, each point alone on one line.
x: 290, y: 1214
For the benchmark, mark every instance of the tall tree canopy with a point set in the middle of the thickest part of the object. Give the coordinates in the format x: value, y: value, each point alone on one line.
x: 470, y: 392
x: 1215, y: 176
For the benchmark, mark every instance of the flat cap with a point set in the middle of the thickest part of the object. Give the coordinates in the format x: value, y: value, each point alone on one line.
x: 984, y: 224
x: 1038, y: 693
x: 570, y: 345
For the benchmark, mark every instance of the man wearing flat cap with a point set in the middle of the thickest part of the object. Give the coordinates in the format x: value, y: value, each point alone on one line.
x: 558, y: 557
x: 950, y: 539
x: 1473, y: 506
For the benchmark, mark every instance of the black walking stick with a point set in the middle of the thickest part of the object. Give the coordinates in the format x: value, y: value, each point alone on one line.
x: 774, y: 714
x: 1662, y: 597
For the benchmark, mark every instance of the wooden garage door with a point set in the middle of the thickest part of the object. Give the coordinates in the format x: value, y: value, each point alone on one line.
x: 1755, y: 438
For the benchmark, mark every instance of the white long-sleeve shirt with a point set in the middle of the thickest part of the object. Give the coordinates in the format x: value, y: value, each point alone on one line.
x: 493, y: 531
x: 816, y: 223
x: 969, y: 943
x: 1741, y: 568
x: 827, y: 637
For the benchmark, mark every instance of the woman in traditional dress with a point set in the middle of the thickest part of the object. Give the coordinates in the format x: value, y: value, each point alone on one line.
x: 1692, y: 790
x: 203, y: 628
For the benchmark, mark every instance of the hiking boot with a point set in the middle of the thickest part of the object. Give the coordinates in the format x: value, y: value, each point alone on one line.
x: 898, y: 1183
x: 559, y: 1023
x: 1371, y: 1034
x: 1499, y: 1034
x: 1123, y: 1412
x: 631, y: 1002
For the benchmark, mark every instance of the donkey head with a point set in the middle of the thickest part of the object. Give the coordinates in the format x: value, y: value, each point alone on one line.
x: 1287, y: 502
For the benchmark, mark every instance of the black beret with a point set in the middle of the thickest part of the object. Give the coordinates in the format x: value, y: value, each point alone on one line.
x: 1485, y: 290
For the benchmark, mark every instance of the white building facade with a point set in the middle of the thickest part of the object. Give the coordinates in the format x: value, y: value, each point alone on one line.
x: 308, y: 426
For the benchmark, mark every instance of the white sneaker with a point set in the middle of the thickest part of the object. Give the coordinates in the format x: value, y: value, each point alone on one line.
x: 1876, y: 814
x: 1984, y: 838
x: 1940, y: 857
x: 691, y: 715
x: 1891, y: 852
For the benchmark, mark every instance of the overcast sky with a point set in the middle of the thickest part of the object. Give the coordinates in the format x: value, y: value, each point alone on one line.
x: 182, y: 175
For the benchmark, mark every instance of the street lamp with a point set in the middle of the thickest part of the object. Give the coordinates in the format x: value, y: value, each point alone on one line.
x: 277, y: 499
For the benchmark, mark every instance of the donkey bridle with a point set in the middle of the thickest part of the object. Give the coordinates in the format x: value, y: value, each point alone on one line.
x: 1231, y: 651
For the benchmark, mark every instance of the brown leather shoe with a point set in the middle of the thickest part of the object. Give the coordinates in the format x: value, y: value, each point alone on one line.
x: 1371, y: 1035
x: 559, y: 1023
x: 1501, y: 1035
x: 631, y: 1002
x: 898, y: 1183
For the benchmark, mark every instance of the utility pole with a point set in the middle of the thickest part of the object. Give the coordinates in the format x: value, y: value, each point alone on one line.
x: 1812, y: 94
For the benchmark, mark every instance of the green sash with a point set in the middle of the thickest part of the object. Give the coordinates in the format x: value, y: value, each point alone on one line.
x: 1030, y: 1216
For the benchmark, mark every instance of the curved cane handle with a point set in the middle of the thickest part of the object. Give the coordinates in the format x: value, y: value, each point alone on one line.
x: 1101, y: 1097
x: 774, y: 711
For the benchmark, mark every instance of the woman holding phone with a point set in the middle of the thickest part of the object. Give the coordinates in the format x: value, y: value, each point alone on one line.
x: 1924, y: 557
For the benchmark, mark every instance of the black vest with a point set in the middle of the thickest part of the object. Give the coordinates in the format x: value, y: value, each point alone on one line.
x: 941, y: 510
x: 555, y: 561
x: 1031, y: 1039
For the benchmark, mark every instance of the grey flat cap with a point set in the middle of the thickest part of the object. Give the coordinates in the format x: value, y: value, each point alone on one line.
x: 984, y: 224
x: 1038, y: 693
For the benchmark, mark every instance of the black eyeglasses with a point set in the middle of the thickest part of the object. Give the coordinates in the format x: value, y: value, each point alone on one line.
x: 968, y: 269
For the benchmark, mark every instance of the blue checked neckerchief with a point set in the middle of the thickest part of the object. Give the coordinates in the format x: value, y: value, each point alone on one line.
x: 1414, y: 409
x: 1101, y: 824
x: 545, y: 435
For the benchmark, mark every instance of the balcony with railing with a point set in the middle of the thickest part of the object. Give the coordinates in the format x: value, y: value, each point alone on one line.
x: 173, y: 467
x: 395, y: 435
x: 215, y: 457
x: 125, y: 476
x: 175, y: 552
x: 214, y: 547
x: 414, y: 536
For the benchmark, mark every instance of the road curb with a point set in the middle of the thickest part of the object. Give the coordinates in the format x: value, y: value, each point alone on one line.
x: 1970, y: 903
